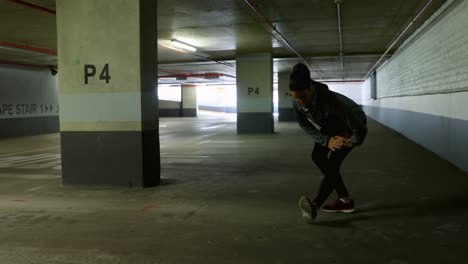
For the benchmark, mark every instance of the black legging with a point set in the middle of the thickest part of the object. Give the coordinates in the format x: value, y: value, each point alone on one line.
x: 329, y: 163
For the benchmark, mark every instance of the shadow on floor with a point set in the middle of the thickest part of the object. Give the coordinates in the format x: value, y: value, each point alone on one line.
x: 429, y: 206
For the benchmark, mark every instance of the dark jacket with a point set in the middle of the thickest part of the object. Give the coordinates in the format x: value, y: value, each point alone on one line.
x: 332, y: 114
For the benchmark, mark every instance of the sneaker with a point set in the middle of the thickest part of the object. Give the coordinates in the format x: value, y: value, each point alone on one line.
x: 339, y: 206
x: 308, y: 208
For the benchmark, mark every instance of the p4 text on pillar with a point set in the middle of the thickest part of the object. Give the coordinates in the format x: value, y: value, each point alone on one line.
x: 252, y: 90
x: 90, y: 71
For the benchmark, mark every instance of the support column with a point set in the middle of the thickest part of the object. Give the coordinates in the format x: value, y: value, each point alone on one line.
x: 107, y: 54
x: 189, y: 100
x: 285, y: 107
x: 254, y: 93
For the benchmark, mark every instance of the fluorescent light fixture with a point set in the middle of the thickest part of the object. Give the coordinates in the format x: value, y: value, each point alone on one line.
x: 173, y: 48
x: 182, y: 45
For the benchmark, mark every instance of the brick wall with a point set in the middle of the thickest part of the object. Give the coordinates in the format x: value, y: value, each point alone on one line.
x: 433, y: 61
x: 422, y: 90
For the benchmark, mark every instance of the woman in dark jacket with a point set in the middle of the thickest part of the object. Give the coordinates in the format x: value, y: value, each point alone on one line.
x: 337, y: 124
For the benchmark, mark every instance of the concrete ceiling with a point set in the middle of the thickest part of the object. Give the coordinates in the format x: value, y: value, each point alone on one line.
x: 221, y: 29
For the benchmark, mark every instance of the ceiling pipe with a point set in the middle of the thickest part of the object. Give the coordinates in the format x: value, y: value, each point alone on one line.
x: 21, y: 47
x: 338, y: 9
x: 216, y: 61
x: 28, y: 65
x: 196, y: 75
x: 272, y: 27
x: 40, y: 8
x: 27, y: 48
x: 182, y: 77
x: 47, y: 51
x: 196, y: 55
x: 398, y: 38
x: 345, y: 81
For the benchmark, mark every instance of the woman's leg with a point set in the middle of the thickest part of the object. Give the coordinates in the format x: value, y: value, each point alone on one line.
x: 330, y: 165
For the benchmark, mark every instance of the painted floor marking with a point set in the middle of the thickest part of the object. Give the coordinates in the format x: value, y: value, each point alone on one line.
x: 212, y: 127
x: 35, y: 150
x: 39, y: 161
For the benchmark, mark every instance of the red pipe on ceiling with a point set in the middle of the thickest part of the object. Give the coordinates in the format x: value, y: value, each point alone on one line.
x: 19, y: 2
x: 25, y: 47
x: 196, y: 75
x: 28, y: 65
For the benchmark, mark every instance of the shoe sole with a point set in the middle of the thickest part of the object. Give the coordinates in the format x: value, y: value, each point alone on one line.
x: 347, y: 211
x: 306, y: 209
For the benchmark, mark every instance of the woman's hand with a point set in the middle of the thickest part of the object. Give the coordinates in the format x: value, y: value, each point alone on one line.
x: 338, y: 142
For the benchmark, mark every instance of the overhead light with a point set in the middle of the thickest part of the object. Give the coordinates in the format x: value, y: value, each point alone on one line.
x: 183, y: 45
x: 173, y: 48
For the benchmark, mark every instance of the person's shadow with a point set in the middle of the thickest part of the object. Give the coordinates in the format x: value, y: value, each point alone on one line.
x: 430, y: 206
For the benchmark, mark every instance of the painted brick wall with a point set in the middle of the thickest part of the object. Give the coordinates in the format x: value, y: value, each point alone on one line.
x: 434, y: 61
x: 423, y: 89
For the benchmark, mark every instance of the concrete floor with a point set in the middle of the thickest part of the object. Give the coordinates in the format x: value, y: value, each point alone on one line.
x: 229, y: 198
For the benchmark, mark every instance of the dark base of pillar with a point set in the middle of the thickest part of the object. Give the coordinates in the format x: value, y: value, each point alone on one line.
x: 170, y: 112
x: 253, y: 123
x: 286, y: 115
x: 19, y: 127
x: 117, y: 158
x: 189, y: 112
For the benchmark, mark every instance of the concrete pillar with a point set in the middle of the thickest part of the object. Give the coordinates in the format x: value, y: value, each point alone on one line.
x: 189, y: 100
x: 254, y: 93
x: 107, y: 56
x: 285, y: 108
x: 170, y: 108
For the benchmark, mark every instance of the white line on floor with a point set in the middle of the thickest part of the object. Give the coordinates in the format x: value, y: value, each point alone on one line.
x: 206, y: 135
x: 219, y: 142
x: 186, y: 156
x: 34, y: 189
x: 212, y: 127
x: 30, y: 160
x: 29, y: 176
x: 40, y: 165
x: 10, y: 154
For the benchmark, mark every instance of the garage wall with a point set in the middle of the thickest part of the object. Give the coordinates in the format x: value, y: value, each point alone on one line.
x: 350, y: 90
x: 222, y: 98
x: 169, y: 108
x: 28, y: 102
x: 422, y: 91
